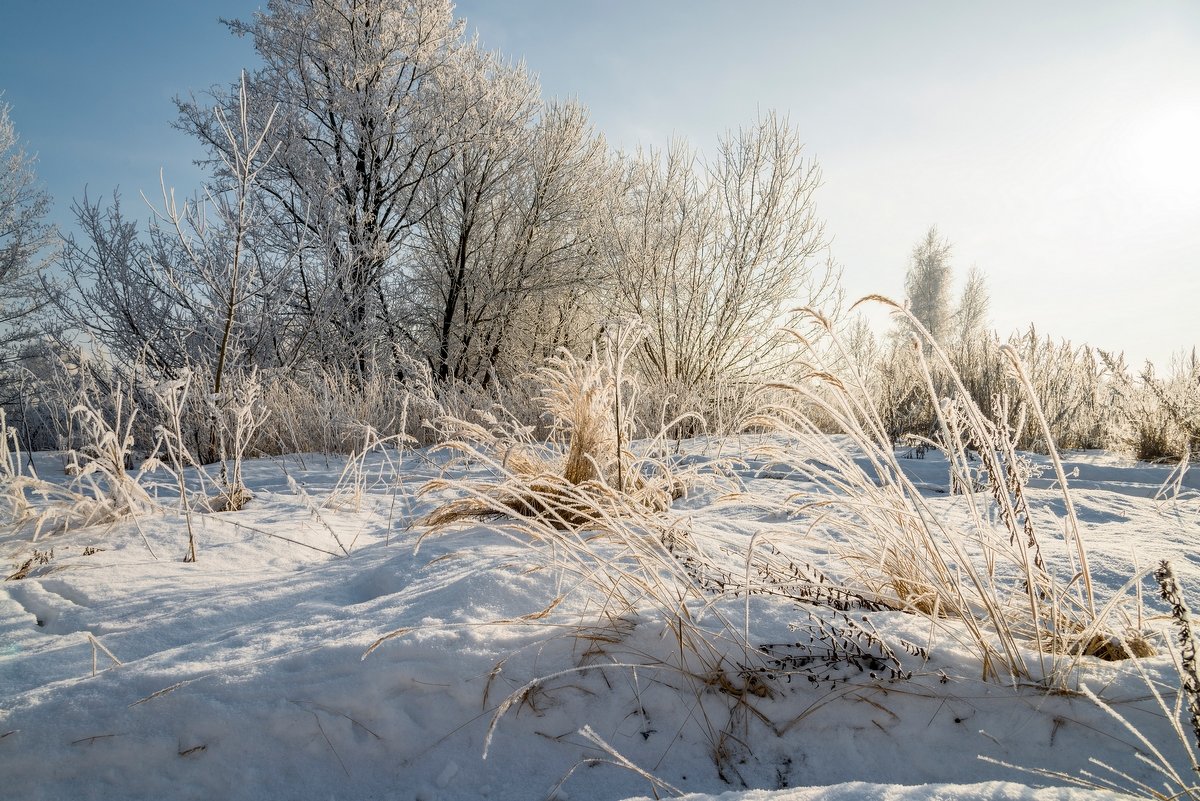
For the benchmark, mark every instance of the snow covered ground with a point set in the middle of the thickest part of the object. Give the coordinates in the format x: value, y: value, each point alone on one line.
x: 245, y: 674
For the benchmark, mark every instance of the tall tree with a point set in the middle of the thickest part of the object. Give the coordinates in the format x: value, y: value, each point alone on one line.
x: 362, y: 124
x: 970, y: 318
x: 927, y: 284
x: 506, y: 230
x: 25, y: 240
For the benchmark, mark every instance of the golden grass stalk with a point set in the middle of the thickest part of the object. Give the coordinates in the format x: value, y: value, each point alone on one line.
x: 993, y: 583
x: 623, y: 555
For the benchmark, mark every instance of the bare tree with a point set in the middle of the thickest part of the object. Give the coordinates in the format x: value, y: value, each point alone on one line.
x: 467, y: 203
x: 116, y: 289
x: 200, y: 289
x: 220, y: 265
x: 25, y: 240
x: 507, y: 230
x: 361, y: 126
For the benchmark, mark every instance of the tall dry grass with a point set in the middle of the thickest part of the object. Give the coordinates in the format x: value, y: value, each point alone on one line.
x: 100, y: 488
x: 990, y: 584
x: 597, y: 513
x: 1074, y: 388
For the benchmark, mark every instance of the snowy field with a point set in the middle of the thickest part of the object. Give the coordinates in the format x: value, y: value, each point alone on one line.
x: 128, y: 673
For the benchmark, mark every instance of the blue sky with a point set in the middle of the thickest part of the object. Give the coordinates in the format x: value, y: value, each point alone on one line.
x: 1056, y: 145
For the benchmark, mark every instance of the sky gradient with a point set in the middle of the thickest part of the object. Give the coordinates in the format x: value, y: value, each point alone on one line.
x: 1057, y: 146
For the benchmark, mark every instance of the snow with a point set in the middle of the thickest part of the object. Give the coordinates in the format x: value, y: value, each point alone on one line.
x: 247, y: 674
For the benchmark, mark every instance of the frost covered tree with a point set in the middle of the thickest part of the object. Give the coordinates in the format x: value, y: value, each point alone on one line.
x: 927, y: 290
x: 711, y: 254
x: 25, y: 241
x: 971, y: 315
x: 201, y: 286
x: 116, y: 291
x: 220, y: 259
x: 927, y: 284
x: 359, y: 88
x: 506, y: 232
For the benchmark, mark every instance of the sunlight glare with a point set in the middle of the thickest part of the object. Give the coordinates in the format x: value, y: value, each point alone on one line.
x: 1164, y: 151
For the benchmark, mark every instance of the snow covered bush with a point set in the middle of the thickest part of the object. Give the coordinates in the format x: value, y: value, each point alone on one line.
x: 713, y: 251
x: 1158, y: 418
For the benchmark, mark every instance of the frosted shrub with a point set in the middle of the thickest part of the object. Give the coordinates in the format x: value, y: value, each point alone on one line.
x: 1158, y: 419
x: 584, y: 473
x: 1073, y: 390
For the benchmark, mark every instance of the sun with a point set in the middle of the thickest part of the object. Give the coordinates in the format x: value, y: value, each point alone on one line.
x: 1163, y: 151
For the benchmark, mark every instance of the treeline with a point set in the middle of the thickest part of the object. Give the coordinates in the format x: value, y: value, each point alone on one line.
x: 385, y: 190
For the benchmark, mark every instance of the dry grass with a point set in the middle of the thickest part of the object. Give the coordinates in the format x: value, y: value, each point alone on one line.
x: 605, y: 528
x: 13, y: 480
x: 1158, y: 419
x: 108, y: 426
x: 582, y: 474
x: 1181, y: 717
x: 101, y: 489
x: 992, y: 579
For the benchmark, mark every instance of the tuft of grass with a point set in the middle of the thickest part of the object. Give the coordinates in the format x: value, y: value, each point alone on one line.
x: 1159, y: 417
x: 99, y: 464
x: 606, y: 529
x: 583, y: 474
x: 101, y: 490
x: 991, y: 579
x: 580, y: 397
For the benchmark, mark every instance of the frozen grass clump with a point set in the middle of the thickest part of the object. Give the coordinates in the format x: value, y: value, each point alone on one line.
x: 14, y: 480
x: 101, y: 487
x: 583, y: 473
x: 598, y: 513
x: 992, y: 583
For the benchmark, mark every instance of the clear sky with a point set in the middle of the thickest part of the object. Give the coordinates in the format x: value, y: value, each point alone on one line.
x: 1057, y: 145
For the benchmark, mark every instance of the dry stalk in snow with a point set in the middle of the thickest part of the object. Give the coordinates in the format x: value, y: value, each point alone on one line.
x: 990, y: 582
